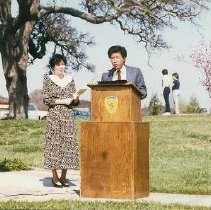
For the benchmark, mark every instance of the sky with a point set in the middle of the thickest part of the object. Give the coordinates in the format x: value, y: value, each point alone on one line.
x: 183, y: 40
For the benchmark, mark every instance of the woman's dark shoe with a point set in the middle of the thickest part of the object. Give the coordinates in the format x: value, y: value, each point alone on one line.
x: 57, y: 184
x: 64, y: 183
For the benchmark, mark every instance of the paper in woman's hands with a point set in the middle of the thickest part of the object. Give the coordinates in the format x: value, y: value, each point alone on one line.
x: 81, y: 91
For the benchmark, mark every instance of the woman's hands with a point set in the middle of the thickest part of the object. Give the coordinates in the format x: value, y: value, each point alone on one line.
x: 68, y: 101
x: 75, y: 98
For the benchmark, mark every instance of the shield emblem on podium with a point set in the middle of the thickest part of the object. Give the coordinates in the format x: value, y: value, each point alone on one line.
x: 111, y: 104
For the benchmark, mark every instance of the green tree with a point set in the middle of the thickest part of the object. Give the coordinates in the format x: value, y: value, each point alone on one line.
x: 38, y: 23
x: 155, y: 105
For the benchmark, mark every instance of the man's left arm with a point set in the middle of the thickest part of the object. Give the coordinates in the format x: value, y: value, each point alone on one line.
x: 139, y: 82
x: 103, y: 77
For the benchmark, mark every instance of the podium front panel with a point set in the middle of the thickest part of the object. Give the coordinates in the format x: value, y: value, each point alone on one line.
x: 114, y: 159
x: 115, y: 104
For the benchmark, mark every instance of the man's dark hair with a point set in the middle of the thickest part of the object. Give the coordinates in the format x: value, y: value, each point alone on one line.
x: 117, y: 49
x: 164, y: 71
x: 56, y: 59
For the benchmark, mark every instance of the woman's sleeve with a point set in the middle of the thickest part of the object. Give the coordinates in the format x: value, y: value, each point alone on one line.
x: 48, y: 98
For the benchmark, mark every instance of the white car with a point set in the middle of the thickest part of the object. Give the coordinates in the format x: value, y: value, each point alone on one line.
x: 33, y: 113
x: 3, y: 113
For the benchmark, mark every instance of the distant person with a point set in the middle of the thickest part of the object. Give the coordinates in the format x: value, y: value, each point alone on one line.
x: 120, y: 71
x: 61, y: 147
x: 175, y: 92
x: 166, y: 86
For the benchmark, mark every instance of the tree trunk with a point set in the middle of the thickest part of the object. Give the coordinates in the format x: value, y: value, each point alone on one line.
x: 14, y: 52
x: 16, y: 84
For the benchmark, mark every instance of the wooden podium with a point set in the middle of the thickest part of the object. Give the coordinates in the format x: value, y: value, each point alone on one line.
x: 115, y: 145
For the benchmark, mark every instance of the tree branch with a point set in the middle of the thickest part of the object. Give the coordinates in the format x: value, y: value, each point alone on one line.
x: 76, y: 13
x: 28, y: 11
x: 5, y: 11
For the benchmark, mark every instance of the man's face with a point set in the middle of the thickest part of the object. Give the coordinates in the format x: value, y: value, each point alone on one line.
x: 117, y: 60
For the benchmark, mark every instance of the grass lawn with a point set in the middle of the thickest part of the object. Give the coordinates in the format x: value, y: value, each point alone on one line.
x: 180, y: 154
x: 93, y: 205
x: 180, y: 150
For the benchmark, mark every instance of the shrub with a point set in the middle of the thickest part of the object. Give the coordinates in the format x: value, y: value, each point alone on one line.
x: 193, y: 106
x: 155, y: 105
x: 12, y: 165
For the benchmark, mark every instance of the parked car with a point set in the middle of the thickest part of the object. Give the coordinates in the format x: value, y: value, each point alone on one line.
x: 3, y: 113
x: 33, y: 113
x: 81, y: 113
x: 203, y: 110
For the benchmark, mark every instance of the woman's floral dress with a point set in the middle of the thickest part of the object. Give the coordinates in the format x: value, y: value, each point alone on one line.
x: 61, y: 143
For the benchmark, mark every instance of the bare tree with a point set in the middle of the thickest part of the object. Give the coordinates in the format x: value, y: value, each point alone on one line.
x: 36, y: 97
x: 37, y: 24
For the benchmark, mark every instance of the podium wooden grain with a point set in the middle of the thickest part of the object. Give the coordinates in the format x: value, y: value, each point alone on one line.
x: 114, y: 146
x: 129, y: 107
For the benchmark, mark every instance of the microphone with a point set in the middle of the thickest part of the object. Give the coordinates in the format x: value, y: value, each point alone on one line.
x: 111, y: 72
x: 110, y: 75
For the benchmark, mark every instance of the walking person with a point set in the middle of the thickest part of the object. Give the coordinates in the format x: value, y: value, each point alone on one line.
x: 175, y: 92
x: 166, y: 86
x: 61, y: 147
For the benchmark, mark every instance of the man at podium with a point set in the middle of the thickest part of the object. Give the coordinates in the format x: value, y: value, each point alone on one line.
x: 120, y: 71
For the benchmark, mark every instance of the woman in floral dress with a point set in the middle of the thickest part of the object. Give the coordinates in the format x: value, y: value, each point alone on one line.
x: 61, y: 147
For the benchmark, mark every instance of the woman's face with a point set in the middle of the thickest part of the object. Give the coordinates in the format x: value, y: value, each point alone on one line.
x: 59, y: 69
